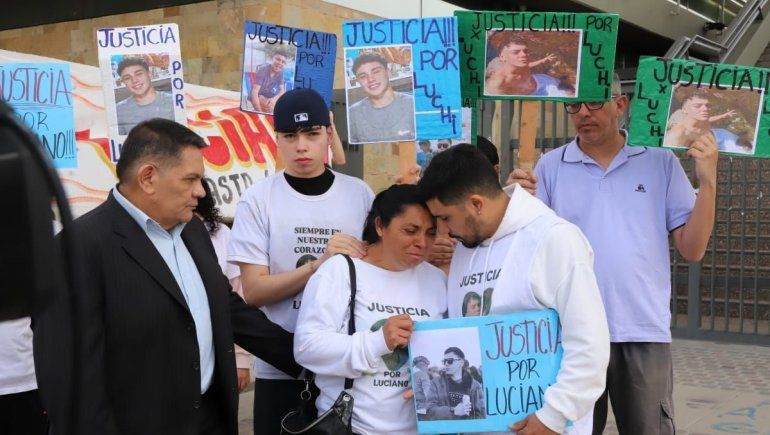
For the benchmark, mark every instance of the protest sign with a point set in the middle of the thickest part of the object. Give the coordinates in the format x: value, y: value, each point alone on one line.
x: 242, y: 147
x: 537, y: 55
x: 401, y: 79
x: 41, y: 96
x: 142, y: 77
x: 277, y: 59
x: 678, y: 102
x: 504, y: 364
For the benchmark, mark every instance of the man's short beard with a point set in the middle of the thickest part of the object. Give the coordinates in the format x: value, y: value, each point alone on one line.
x: 472, y: 226
x: 470, y: 244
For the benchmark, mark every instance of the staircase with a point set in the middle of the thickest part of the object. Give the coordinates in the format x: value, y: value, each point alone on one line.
x: 748, y: 31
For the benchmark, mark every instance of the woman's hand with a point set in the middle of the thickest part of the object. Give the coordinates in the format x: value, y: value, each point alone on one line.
x: 397, y: 330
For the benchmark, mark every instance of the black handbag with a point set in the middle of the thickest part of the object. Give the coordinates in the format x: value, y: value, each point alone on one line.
x: 336, y: 420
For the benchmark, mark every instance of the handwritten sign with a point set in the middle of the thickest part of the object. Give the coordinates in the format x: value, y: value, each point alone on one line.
x: 41, y: 96
x: 142, y: 77
x: 277, y: 59
x: 402, y: 79
x: 504, y: 363
x: 678, y: 102
x: 537, y: 55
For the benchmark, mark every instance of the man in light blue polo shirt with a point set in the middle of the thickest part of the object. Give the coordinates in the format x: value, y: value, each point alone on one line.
x: 627, y: 201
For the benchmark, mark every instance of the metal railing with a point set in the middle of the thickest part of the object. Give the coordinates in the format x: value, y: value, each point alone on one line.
x: 703, y: 48
x: 722, y: 11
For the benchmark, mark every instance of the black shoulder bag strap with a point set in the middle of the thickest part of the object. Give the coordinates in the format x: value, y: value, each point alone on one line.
x: 352, y: 304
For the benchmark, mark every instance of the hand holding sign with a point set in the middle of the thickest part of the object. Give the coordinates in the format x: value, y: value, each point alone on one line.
x: 705, y: 152
x: 397, y: 330
x: 531, y: 426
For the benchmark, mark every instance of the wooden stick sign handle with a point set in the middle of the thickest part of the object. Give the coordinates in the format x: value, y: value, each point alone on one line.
x: 530, y: 111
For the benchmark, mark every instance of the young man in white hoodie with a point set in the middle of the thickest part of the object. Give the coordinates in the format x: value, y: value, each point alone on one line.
x: 520, y: 256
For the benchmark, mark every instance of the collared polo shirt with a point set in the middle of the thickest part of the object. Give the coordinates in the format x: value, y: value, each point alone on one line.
x: 627, y: 212
x: 178, y: 259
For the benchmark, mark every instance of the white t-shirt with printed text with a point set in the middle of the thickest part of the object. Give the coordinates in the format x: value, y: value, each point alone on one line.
x: 381, y: 377
x: 278, y: 227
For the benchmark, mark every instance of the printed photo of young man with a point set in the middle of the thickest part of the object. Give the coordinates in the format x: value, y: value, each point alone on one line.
x: 377, y: 110
x: 144, y: 101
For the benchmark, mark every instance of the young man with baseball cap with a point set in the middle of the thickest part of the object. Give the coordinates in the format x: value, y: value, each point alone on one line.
x: 285, y: 226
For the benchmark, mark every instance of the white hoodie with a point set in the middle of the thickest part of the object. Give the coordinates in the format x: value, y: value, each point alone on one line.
x: 536, y: 260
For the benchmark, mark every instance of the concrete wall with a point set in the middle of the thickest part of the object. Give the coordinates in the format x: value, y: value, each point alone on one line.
x: 757, y: 49
x: 764, y: 58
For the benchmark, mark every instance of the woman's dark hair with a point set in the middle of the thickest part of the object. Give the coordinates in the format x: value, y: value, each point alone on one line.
x: 208, y: 210
x: 388, y: 204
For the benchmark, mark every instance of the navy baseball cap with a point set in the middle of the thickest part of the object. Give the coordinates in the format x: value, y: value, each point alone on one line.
x: 300, y: 108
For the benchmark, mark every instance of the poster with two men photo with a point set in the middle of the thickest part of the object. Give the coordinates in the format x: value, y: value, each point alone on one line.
x: 480, y: 374
x: 678, y: 102
x: 142, y: 77
x: 277, y: 59
x: 401, y: 80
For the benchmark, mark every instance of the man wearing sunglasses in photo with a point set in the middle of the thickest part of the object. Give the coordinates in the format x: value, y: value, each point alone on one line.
x: 628, y: 201
x: 443, y: 144
x: 454, y: 393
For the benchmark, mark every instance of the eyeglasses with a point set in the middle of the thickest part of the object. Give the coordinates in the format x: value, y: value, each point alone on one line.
x: 573, y: 108
x: 449, y: 361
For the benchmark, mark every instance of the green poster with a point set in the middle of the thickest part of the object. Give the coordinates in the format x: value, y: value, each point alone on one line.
x: 678, y: 101
x: 537, y: 55
x: 474, y: 115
